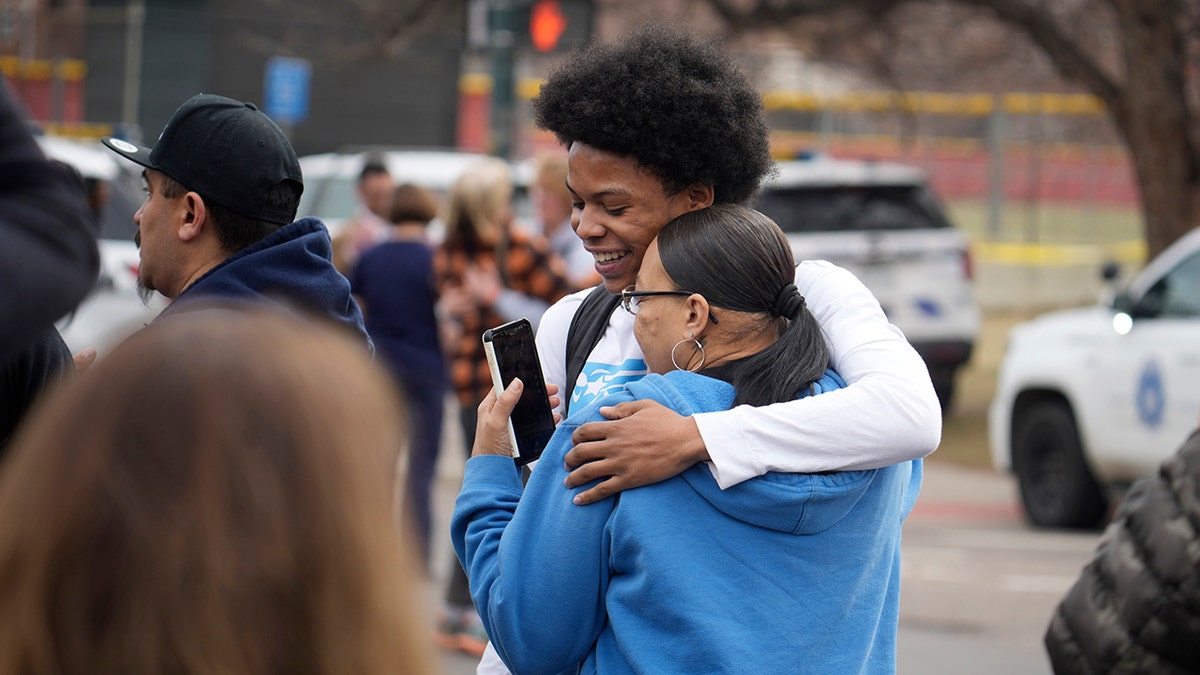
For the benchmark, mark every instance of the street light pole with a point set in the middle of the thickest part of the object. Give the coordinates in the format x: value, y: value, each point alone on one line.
x: 135, y: 15
x: 503, y: 43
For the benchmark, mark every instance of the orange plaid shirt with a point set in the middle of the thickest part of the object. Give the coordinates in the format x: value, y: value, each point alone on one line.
x: 530, y: 268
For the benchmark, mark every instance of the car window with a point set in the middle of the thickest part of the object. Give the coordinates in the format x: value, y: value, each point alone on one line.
x: 337, y: 198
x: 838, y: 208
x: 124, y: 199
x: 1177, y: 294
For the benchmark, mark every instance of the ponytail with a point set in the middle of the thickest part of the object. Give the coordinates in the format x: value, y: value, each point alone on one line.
x: 757, y: 275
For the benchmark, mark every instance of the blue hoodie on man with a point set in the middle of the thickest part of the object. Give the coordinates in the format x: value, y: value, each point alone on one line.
x: 292, y: 265
x: 784, y: 573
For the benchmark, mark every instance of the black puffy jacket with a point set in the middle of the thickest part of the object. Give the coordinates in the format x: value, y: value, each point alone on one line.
x: 1136, y: 606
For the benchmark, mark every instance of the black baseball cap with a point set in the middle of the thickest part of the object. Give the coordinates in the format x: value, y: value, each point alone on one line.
x: 226, y: 150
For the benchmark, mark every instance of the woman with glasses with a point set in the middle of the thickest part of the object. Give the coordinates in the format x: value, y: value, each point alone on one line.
x: 784, y: 572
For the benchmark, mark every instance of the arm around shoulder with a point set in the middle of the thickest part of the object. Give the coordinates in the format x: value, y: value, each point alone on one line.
x: 887, y: 413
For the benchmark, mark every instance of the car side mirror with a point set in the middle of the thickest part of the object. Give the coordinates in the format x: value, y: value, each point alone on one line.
x: 1121, y: 302
x: 1123, y: 312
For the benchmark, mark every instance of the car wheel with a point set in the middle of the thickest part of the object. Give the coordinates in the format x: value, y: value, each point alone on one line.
x: 943, y: 384
x: 1057, y: 488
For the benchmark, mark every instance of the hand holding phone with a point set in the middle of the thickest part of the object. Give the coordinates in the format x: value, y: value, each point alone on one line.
x: 511, y: 353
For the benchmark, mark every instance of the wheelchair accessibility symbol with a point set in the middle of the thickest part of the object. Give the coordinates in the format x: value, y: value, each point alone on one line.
x: 1151, y: 400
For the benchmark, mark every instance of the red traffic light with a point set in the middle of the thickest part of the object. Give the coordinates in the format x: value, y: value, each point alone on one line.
x: 547, y: 23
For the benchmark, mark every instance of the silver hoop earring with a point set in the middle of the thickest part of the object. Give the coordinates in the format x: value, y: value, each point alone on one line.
x: 699, y: 347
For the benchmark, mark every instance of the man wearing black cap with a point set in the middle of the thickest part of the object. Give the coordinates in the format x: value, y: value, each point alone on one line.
x: 222, y: 186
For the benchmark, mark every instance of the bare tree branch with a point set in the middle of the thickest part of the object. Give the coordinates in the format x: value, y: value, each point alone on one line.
x: 1137, y: 56
x: 394, y: 28
x: 1036, y: 21
x: 759, y: 14
x: 350, y: 32
x: 1071, y: 60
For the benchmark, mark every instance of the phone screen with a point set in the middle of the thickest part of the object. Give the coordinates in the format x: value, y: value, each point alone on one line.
x: 511, y: 354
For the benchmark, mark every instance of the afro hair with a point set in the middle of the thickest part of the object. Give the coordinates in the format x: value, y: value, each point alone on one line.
x: 682, y: 109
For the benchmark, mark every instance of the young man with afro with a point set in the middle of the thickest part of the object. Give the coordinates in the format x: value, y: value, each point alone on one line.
x: 657, y: 125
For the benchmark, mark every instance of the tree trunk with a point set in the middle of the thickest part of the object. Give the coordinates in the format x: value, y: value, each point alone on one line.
x: 1153, y: 118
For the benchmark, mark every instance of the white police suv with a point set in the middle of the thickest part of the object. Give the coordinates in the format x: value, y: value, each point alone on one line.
x: 880, y: 221
x: 1089, y: 399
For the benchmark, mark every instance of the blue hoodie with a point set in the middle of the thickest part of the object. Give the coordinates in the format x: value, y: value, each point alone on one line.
x: 784, y: 573
x: 293, y: 265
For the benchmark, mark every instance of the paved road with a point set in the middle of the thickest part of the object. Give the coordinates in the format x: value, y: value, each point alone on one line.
x: 979, y: 585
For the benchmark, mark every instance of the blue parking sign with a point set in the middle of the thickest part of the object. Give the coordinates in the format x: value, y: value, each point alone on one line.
x: 286, y: 86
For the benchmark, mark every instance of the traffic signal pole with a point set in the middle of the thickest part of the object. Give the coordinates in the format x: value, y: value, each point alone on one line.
x: 503, y: 43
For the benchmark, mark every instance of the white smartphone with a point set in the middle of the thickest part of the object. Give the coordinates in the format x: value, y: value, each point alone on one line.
x: 511, y: 353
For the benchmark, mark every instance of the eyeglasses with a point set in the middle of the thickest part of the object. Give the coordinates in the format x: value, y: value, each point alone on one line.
x: 631, y: 299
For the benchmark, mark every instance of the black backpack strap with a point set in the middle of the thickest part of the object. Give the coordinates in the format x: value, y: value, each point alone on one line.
x: 587, y: 327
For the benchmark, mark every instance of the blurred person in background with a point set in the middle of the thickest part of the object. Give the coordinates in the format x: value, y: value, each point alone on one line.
x: 1136, y: 606
x: 785, y: 573
x: 489, y: 272
x: 48, y: 255
x: 27, y: 374
x: 40, y: 365
x: 394, y: 284
x: 552, y: 204
x: 218, y: 496
x: 222, y: 187
x: 369, y: 224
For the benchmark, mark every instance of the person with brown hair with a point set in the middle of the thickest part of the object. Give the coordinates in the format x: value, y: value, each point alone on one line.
x: 489, y: 272
x: 217, y: 495
x: 552, y: 204
x: 393, y: 283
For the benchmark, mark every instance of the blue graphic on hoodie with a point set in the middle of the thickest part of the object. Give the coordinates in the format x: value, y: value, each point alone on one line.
x: 598, y: 380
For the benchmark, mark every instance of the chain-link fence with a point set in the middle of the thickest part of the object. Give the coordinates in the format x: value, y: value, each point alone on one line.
x: 1039, y: 182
